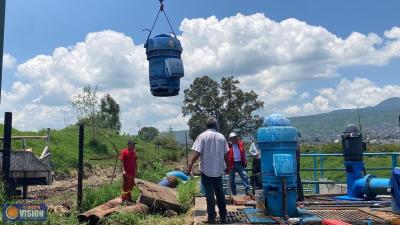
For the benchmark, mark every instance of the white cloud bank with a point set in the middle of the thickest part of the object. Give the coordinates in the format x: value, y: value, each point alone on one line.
x: 273, y: 58
x: 359, y: 92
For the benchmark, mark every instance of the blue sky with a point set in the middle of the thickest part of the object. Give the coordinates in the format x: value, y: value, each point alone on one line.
x: 39, y: 27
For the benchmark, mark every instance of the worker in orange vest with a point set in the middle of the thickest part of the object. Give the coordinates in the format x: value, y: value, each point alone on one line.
x: 237, y: 162
x: 129, y: 167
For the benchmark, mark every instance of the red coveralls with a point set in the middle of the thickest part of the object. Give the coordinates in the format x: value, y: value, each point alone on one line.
x: 128, y: 158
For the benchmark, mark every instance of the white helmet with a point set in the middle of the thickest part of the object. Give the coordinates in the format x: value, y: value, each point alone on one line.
x: 231, y: 135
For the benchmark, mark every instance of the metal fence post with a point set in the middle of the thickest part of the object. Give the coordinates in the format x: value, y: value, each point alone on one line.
x: 316, y: 186
x: 321, y: 165
x: 7, y: 153
x: 80, y: 167
x: 394, y: 160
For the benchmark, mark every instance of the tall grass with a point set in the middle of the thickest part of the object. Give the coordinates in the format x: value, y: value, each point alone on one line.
x: 93, y: 197
x: 186, y: 193
x: 154, y: 171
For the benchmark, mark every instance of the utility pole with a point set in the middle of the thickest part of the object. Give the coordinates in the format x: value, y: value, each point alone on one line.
x: 139, y: 125
x: 2, y: 24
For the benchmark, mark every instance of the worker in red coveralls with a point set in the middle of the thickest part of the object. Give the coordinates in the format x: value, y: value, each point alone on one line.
x: 129, y: 168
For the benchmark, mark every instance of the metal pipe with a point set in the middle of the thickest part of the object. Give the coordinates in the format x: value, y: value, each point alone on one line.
x: 80, y: 167
x: 284, y: 194
x: 379, y: 186
x: 370, y: 187
x: 7, y: 151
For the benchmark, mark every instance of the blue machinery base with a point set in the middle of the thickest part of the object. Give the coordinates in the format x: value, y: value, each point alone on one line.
x: 259, y: 216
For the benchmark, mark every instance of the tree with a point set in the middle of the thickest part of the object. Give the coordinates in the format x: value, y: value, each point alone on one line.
x: 109, y: 113
x: 148, y: 133
x: 233, y: 107
x: 87, y: 107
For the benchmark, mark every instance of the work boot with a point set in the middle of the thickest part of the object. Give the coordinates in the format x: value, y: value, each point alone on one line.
x: 223, y: 221
x: 126, y: 203
x: 209, y: 221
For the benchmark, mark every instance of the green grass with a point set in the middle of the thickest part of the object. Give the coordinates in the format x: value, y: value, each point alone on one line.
x: 93, y: 197
x: 186, y: 192
x: 153, y: 171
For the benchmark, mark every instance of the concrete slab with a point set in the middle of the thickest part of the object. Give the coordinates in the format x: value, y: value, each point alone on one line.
x: 200, y: 212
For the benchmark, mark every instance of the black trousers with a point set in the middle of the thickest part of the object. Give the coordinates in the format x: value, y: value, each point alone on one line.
x: 256, y: 169
x: 213, y: 185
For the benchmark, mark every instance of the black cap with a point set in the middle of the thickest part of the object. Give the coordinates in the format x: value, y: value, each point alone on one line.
x: 130, y: 142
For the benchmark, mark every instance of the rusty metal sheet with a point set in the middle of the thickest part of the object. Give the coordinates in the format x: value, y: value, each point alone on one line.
x: 353, y: 216
x: 93, y: 216
x: 156, y: 196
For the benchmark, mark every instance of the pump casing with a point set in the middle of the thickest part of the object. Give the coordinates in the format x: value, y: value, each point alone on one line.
x: 165, y: 65
x: 277, y: 141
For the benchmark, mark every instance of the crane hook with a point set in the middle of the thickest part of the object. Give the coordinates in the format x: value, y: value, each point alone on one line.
x: 161, y: 5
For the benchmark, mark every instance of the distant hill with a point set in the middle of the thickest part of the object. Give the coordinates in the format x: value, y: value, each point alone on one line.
x: 380, y: 122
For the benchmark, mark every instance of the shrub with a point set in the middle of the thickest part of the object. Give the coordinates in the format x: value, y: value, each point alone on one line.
x: 154, y: 171
x: 97, y: 147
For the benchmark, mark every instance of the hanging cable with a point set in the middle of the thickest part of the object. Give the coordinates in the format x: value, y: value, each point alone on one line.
x: 155, y: 21
x: 169, y: 23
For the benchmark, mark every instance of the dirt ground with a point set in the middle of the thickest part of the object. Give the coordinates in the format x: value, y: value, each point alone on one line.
x: 95, y: 176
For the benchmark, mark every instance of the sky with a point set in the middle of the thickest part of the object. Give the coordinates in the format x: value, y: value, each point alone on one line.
x: 301, y: 57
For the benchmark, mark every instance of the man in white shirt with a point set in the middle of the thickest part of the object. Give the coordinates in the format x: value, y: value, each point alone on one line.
x: 211, y: 147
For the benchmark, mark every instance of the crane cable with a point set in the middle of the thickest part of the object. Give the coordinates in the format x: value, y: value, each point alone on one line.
x: 154, y: 23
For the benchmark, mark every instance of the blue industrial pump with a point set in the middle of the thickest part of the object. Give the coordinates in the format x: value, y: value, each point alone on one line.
x: 277, y: 140
x: 359, y: 187
x: 165, y: 65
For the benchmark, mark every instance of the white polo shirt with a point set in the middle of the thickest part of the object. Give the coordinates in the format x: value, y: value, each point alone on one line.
x: 212, y: 146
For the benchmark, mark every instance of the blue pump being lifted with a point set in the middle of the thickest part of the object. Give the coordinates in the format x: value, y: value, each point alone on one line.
x: 165, y: 64
x: 359, y: 187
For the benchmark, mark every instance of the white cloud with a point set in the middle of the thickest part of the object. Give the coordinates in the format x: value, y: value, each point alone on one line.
x: 272, y: 58
x: 359, y: 92
x: 9, y: 61
x: 393, y: 33
x: 292, y: 110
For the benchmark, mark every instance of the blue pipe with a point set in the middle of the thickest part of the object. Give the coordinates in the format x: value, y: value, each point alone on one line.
x: 370, y: 186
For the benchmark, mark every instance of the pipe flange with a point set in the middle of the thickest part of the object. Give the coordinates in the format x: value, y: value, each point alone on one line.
x: 367, y: 188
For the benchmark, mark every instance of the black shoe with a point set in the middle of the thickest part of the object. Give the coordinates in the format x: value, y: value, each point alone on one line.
x: 209, y: 221
x: 224, y: 222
